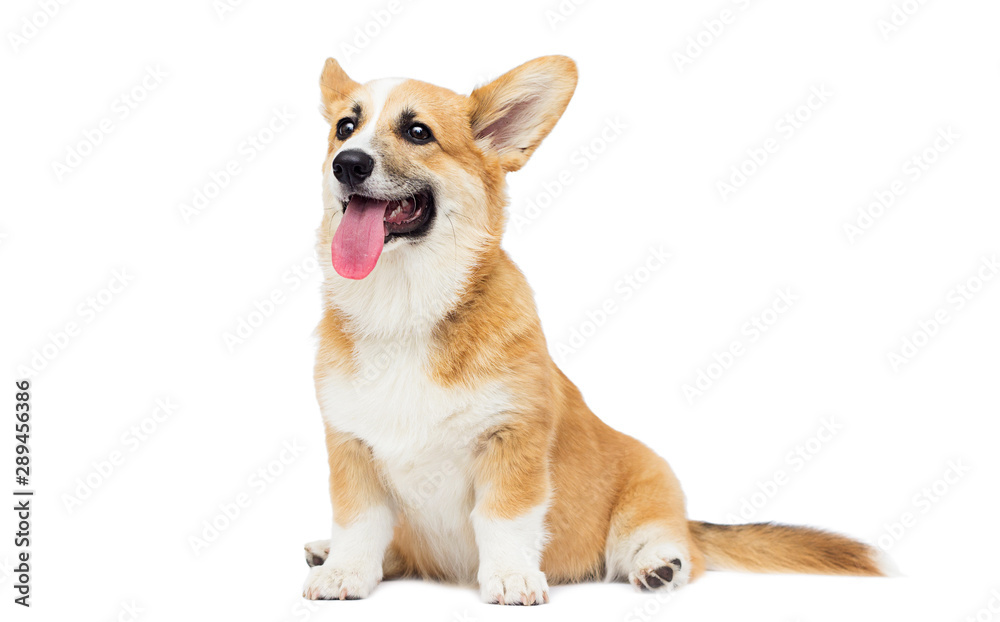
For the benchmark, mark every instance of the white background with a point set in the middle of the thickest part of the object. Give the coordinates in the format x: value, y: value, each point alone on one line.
x: 191, y: 281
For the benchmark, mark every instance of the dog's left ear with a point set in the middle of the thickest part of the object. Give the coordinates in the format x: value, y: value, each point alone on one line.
x: 513, y: 114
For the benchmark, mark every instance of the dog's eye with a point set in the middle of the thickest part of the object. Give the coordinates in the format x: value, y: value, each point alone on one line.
x: 345, y: 127
x: 419, y: 133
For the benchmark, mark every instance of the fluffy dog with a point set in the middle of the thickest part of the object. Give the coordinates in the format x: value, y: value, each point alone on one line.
x: 458, y: 450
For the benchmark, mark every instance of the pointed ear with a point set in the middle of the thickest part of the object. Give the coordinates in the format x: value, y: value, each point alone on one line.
x: 513, y: 114
x: 335, y: 86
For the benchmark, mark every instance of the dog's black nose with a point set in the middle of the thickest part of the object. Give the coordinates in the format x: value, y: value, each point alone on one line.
x: 352, y: 167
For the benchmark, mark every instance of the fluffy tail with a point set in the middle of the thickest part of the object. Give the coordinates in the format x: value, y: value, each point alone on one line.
x: 767, y: 547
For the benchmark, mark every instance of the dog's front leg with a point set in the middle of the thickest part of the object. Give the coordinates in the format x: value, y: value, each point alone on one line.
x: 363, y: 523
x: 512, y: 497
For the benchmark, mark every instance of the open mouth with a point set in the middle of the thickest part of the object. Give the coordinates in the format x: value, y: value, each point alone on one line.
x: 408, y: 217
x: 369, y: 223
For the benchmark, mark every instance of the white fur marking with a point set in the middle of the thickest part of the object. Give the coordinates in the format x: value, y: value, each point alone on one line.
x: 353, y: 566
x: 510, y: 554
x: 642, y: 552
x: 423, y: 436
x: 379, y: 91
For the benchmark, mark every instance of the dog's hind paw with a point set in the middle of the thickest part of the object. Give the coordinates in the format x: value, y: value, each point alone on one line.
x: 317, y: 552
x: 660, y: 568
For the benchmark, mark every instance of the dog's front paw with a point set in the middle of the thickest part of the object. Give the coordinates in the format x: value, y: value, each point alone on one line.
x: 660, y: 568
x: 317, y: 552
x: 515, y: 588
x: 334, y: 582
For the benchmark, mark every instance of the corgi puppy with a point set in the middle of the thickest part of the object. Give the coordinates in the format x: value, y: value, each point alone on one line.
x: 458, y: 451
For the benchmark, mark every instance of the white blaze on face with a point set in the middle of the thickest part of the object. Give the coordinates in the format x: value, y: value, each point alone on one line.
x: 378, y: 93
x: 358, y: 242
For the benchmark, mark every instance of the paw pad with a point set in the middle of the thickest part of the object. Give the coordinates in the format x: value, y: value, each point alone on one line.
x: 655, y: 578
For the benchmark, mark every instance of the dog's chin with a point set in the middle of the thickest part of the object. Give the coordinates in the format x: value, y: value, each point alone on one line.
x: 406, y: 219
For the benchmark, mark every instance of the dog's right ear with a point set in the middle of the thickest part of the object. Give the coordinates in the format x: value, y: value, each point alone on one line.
x: 335, y: 86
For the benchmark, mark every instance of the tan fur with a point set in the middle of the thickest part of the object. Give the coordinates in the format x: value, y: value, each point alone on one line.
x: 355, y: 483
x: 766, y: 547
x: 336, y: 347
x: 335, y: 86
x: 490, y: 102
x: 602, y: 485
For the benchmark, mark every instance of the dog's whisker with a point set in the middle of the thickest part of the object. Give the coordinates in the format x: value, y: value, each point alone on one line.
x: 454, y: 237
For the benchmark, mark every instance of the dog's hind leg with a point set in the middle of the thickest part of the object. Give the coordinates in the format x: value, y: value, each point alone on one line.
x: 649, y: 544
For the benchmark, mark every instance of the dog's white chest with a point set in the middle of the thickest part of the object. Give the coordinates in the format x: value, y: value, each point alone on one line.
x: 422, y: 434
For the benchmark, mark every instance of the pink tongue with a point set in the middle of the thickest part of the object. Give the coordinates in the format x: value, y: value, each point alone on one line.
x: 359, y: 238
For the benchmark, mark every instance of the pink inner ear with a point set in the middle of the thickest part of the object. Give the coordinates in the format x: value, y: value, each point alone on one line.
x: 505, y: 131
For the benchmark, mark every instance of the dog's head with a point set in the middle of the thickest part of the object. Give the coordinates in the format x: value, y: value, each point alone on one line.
x: 416, y: 168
